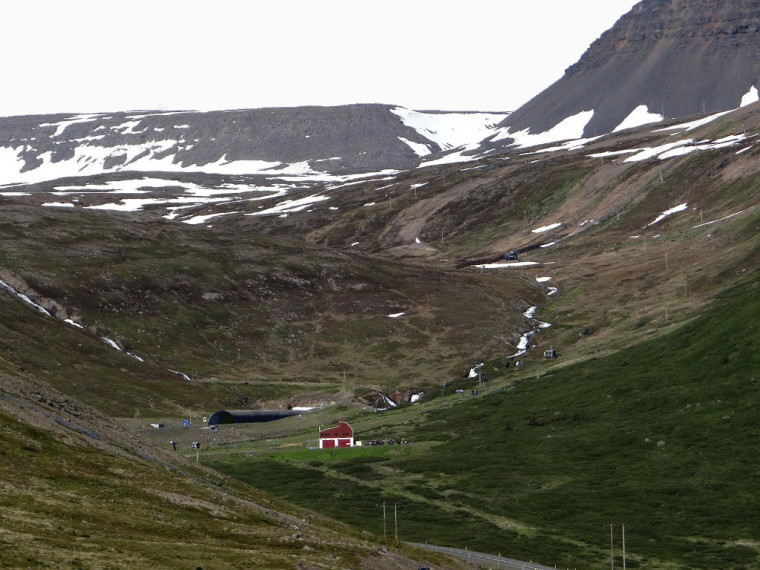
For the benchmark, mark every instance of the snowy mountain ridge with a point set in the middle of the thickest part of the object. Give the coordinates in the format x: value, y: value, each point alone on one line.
x: 330, y: 144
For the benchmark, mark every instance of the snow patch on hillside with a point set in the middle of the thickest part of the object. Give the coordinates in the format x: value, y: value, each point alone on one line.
x: 573, y: 144
x: 751, y: 96
x: 651, y: 152
x: 613, y: 153
x: 291, y: 206
x: 720, y: 143
x: 451, y: 130
x: 666, y: 213
x: 639, y: 116
x: 110, y: 342
x: 197, y: 220
x: 548, y: 228
x: 130, y: 186
x: 451, y: 158
x: 62, y: 125
x: 569, y: 129
x: 724, y: 218
x: 507, y: 265
x: 154, y: 156
x: 691, y: 125
x: 25, y: 298
x: 678, y: 148
x: 418, y: 148
x: 137, y: 204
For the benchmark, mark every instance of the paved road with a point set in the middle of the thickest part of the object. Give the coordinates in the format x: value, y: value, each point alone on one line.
x: 488, y: 560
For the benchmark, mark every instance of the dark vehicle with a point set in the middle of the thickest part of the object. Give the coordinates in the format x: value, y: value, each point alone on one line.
x: 391, y: 442
x: 511, y: 256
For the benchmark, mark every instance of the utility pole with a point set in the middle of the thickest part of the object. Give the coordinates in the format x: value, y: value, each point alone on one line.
x: 383, y: 518
x: 395, y: 520
x: 623, y: 525
x: 612, y: 547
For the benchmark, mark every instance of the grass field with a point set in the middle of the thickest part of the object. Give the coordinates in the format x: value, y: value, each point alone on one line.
x: 659, y: 437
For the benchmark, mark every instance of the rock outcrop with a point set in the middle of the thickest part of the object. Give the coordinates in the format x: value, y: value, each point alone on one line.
x: 677, y: 57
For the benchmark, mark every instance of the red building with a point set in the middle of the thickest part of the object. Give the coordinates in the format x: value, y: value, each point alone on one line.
x: 339, y: 436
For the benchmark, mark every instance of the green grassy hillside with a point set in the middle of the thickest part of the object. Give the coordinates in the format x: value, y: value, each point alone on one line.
x: 659, y: 437
x: 79, y: 492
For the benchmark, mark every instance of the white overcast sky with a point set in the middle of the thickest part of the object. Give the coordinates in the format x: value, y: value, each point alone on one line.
x: 488, y: 55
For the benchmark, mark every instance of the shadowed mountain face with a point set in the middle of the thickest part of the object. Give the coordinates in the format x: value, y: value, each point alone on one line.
x: 678, y: 57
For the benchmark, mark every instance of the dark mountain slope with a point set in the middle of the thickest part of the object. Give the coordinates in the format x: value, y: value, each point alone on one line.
x: 678, y: 57
x: 339, y: 140
x: 246, y: 317
x: 362, y: 136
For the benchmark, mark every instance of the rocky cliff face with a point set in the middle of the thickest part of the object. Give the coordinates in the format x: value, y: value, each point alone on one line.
x: 677, y: 57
